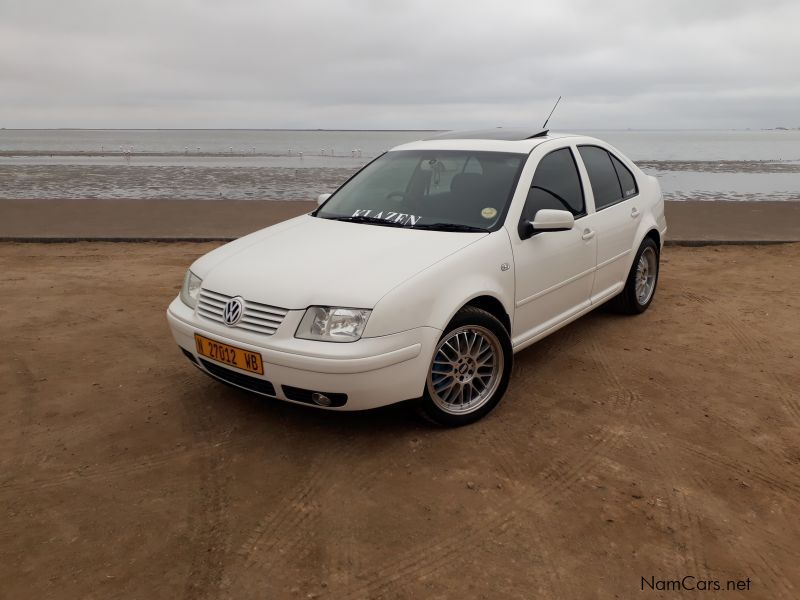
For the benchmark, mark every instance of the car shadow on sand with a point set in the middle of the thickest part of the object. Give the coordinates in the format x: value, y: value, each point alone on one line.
x: 233, y: 404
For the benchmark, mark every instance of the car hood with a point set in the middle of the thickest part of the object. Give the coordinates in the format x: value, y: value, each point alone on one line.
x: 310, y: 261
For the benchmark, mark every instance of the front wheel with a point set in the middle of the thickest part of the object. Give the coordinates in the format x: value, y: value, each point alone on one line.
x: 469, y: 371
x: 640, y: 287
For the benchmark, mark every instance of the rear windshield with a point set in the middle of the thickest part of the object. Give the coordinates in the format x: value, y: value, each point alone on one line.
x: 430, y: 189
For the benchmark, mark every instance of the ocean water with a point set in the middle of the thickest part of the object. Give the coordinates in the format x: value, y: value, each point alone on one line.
x: 298, y: 165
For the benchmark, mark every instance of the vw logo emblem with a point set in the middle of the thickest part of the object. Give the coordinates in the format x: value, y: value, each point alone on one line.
x: 233, y: 311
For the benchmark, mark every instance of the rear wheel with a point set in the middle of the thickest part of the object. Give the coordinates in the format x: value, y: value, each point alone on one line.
x: 470, y: 369
x: 640, y: 287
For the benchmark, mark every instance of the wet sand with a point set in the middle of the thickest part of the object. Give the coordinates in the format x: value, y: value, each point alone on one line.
x: 248, y: 177
x: 660, y: 446
x: 721, y: 166
x: 226, y: 219
x: 171, y: 182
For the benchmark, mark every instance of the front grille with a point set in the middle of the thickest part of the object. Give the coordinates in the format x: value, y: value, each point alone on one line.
x: 301, y: 395
x: 249, y: 383
x: 257, y: 317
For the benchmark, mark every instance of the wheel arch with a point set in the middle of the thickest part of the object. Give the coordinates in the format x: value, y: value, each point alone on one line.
x: 493, y: 306
x: 655, y: 236
x: 648, y: 230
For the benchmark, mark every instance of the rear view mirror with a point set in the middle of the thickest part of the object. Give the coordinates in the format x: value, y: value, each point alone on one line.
x: 548, y: 219
x: 322, y: 197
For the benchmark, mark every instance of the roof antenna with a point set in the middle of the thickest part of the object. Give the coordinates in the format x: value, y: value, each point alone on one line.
x: 551, y: 113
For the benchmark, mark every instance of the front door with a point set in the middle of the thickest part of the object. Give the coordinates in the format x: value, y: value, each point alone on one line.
x: 554, y: 270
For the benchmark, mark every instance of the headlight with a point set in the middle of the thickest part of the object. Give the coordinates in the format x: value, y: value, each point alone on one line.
x: 332, y: 324
x: 190, y: 289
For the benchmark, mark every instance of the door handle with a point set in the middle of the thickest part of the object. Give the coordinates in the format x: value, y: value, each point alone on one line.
x: 634, y: 212
x: 587, y: 234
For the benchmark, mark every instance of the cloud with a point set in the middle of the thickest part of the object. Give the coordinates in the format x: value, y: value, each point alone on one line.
x: 380, y: 64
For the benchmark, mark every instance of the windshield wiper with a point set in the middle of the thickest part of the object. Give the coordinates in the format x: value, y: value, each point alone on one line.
x: 450, y: 227
x: 368, y: 220
x: 387, y: 223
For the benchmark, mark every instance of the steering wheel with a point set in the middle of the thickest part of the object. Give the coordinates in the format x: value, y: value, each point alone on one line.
x: 401, y: 195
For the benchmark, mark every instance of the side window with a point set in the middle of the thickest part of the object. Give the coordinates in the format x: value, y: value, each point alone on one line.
x: 626, y: 178
x: 602, y: 175
x: 556, y: 184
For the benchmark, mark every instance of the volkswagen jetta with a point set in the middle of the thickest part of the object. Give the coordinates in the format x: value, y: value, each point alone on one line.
x: 422, y: 275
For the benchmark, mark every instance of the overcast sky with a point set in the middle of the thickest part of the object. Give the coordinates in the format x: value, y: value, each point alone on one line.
x: 399, y: 64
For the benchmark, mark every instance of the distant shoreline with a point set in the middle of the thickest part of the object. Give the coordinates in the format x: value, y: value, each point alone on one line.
x: 727, y: 166
x: 313, y: 129
x: 211, y: 129
x: 299, y: 164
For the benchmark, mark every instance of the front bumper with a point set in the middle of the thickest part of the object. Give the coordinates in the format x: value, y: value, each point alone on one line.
x: 371, y: 372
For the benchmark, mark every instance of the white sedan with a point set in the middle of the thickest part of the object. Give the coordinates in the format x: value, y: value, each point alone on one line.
x: 422, y: 275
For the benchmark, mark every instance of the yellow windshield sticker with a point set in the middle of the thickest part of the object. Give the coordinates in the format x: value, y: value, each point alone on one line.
x: 489, y: 212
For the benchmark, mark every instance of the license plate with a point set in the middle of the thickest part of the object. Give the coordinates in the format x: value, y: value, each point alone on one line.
x: 229, y: 355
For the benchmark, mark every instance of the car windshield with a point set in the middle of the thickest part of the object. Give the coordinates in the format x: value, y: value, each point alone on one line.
x: 448, y: 190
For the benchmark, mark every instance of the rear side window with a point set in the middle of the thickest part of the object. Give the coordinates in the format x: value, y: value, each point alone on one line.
x: 602, y: 175
x: 556, y: 184
x: 626, y: 178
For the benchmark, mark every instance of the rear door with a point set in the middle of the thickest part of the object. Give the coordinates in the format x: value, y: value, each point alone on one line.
x: 616, y: 199
x: 553, y: 269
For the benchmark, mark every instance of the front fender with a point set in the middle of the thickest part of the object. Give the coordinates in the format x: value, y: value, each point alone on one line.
x: 434, y: 295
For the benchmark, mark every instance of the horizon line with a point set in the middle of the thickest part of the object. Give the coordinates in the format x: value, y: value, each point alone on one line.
x: 567, y: 129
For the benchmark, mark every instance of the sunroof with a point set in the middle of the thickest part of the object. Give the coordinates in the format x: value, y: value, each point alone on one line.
x: 499, y: 133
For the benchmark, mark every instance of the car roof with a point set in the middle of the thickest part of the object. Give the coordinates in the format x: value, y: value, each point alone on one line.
x: 498, y: 133
x: 499, y: 139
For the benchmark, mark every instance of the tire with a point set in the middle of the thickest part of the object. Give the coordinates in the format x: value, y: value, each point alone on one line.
x: 636, y: 296
x: 469, y: 371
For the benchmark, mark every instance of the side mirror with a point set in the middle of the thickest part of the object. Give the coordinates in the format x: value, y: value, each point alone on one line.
x: 548, y: 219
x: 322, y: 197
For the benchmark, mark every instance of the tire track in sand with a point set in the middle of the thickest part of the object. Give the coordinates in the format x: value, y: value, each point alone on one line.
x: 782, y: 588
x: 25, y: 380
x: 758, y: 349
x: 679, y: 501
x: 500, y: 426
x: 754, y: 466
x: 281, y: 534
x: 745, y: 470
x: 120, y: 469
x: 561, y: 476
x: 683, y: 523
x: 208, y: 518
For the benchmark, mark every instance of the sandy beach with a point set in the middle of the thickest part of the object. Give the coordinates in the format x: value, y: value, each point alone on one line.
x: 621, y: 457
x: 226, y: 219
x: 660, y: 445
x: 626, y: 448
